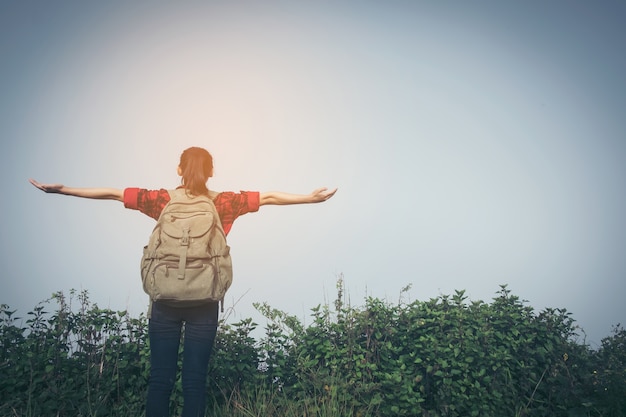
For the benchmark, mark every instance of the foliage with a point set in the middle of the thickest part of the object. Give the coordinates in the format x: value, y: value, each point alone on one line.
x: 447, y: 356
x: 85, y: 362
x: 609, y: 375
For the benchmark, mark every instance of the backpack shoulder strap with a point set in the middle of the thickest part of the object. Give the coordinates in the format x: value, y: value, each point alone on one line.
x: 176, y: 193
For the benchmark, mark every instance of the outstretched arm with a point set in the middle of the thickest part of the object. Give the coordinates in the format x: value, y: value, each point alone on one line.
x: 97, y: 193
x: 279, y: 198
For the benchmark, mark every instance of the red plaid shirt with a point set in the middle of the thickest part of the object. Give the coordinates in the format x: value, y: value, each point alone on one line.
x: 229, y: 205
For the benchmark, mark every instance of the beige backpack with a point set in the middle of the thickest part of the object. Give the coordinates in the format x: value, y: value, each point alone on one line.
x: 187, y: 260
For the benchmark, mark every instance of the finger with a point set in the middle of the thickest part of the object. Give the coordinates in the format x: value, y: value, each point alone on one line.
x: 330, y: 193
x: 36, y: 184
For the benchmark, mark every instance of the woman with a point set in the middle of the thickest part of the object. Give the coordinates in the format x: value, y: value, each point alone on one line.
x: 165, y: 322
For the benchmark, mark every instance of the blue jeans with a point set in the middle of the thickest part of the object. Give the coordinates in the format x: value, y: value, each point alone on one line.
x: 164, y: 329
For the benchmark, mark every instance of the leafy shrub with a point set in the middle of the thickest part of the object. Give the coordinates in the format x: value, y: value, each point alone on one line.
x: 608, y: 385
x: 447, y: 356
x: 85, y: 362
x: 451, y: 357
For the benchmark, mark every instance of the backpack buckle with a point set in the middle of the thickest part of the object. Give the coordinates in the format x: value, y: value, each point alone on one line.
x: 185, y: 239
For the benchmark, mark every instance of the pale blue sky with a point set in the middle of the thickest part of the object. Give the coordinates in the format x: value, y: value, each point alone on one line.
x: 473, y: 143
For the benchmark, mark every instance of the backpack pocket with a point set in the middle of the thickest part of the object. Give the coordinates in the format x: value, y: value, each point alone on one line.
x: 201, y: 283
x: 147, y: 260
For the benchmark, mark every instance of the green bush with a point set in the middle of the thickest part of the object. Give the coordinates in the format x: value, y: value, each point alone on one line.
x: 447, y: 356
x: 85, y: 362
x: 608, y: 385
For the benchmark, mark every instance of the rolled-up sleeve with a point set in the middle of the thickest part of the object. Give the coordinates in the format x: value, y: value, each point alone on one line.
x: 231, y: 205
x: 149, y: 202
x: 254, y: 200
x: 130, y: 198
